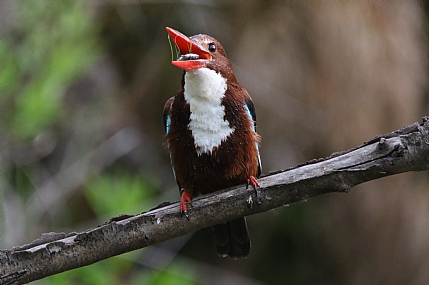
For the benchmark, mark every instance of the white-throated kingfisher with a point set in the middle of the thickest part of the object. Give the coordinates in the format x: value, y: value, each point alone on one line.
x: 211, y: 134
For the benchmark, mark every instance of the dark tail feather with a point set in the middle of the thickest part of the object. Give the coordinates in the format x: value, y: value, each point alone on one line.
x: 232, y: 239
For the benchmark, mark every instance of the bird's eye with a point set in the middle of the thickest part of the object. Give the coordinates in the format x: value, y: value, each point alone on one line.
x: 212, y: 47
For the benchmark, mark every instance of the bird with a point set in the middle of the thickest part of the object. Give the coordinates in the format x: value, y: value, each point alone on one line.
x: 210, y: 126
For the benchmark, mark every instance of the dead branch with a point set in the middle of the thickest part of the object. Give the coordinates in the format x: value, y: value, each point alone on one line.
x: 406, y: 149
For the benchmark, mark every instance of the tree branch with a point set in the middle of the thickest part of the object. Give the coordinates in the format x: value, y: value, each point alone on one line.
x: 404, y: 150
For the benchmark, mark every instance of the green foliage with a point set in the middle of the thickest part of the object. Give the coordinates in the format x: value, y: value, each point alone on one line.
x: 118, y: 193
x: 120, y: 270
x: 51, y: 45
x: 175, y: 273
x: 110, y: 271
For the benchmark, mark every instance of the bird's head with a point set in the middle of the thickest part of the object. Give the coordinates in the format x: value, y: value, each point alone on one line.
x: 199, y: 51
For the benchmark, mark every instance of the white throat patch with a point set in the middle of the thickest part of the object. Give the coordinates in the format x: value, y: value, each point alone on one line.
x: 204, y: 90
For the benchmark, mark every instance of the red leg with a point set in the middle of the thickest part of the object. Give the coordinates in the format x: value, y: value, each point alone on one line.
x: 185, y: 199
x: 252, y: 181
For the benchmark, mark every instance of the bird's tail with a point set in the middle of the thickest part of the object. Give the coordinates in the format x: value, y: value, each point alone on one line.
x: 232, y: 238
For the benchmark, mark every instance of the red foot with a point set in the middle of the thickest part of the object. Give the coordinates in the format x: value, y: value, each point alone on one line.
x: 252, y: 181
x: 185, y: 199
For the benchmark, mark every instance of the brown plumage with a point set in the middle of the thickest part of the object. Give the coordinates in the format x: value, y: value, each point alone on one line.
x: 233, y: 161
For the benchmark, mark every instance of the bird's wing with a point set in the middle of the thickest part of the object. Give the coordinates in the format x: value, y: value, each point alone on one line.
x: 167, y: 121
x: 167, y: 114
x: 250, y: 109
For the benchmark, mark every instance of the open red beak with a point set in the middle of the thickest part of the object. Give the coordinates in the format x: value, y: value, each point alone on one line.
x: 187, y: 46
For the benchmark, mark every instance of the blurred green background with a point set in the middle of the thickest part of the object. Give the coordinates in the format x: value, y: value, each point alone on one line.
x: 83, y: 84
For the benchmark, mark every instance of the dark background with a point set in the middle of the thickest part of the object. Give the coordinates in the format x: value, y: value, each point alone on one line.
x: 83, y: 86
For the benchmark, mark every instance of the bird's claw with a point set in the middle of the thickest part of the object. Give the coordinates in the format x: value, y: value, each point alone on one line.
x: 254, y: 183
x: 185, y: 199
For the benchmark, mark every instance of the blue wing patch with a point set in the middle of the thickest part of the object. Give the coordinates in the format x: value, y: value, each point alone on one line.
x: 250, y: 110
x: 167, y: 122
